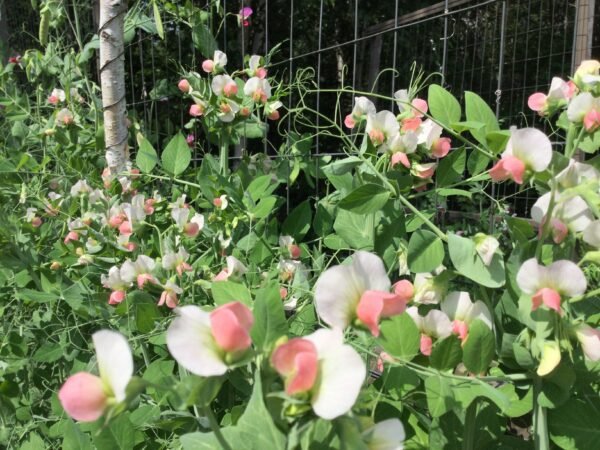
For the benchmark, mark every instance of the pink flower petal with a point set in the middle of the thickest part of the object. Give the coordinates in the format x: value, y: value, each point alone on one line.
x: 508, y: 167
x: 426, y: 344
x: 441, y: 147
x: 369, y: 310
x: 591, y: 120
x: 83, y: 397
x: 116, y: 297
x: 230, y: 326
x: 402, y: 158
x: 297, y: 361
x: 537, y: 101
x: 420, y: 105
x: 461, y: 329
x: 404, y: 289
x: 548, y: 297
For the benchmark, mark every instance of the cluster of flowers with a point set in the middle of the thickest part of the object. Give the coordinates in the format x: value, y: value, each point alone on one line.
x: 402, y: 135
x: 64, y: 116
x: 230, y: 97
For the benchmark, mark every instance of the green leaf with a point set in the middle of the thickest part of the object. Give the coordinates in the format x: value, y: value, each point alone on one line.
x: 146, y: 314
x: 425, y: 251
x: 467, y: 262
x: 497, y: 140
x: 443, y: 105
x: 451, y: 168
x: 269, y: 317
x: 116, y: 436
x: 264, y: 207
x: 477, y: 162
x: 477, y: 110
x: 146, y: 157
x: 228, y: 291
x: 49, y: 352
x: 449, y: 192
x: 400, y: 337
x: 446, y: 353
x: 479, y: 348
x: 176, y: 156
x: 297, y: 223
x: 357, y: 230
x: 204, y: 40
x: 342, y: 166
x: 366, y: 199
x: 575, y: 424
x: 259, y: 186
x: 74, y: 438
x: 438, y: 391
x: 157, y: 20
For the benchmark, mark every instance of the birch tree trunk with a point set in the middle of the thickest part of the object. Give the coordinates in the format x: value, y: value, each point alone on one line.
x: 112, y: 77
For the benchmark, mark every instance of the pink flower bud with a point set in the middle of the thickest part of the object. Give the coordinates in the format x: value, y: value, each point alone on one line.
x: 283, y: 293
x: 55, y: 265
x: 261, y: 73
x: 349, y: 121
x: 230, y: 326
x: 53, y: 99
x: 400, y: 157
x: 83, y: 397
x: 36, y: 222
x: 196, y: 110
x: 71, y: 236
x: 208, y: 65
x: 184, y: 86
x: 295, y: 251
x: 441, y: 147
x: 116, y: 297
x: 274, y: 115
x: 190, y: 139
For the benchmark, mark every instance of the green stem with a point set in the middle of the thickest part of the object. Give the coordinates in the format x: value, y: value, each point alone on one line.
x: 590, y: 294
x: 421, y: 216
x: 469, y: 433
x: 540, y: 422
x: 214, y: 425
x: 224, y: 156
x: 174, y: 180
x: 572, y: 145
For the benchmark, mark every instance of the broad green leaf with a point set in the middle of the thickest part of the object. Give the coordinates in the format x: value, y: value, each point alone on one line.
x: 49, y: 352
x: 477, y: 110
x: 146, y: 157
x: 74, y: 438
x: 497, y: 140
x: 366, y: 199
x: 425, y: 251
x: 443, y: 105
x: 269, y: 317
x: 438, y: 391
x: 117, y: 435
x: 449, y: 192
x: 297, y: 223
x: 446, y: 353
x: 176, y: 156
x: 479, y: 348
x: 477, y: 162
x: 400, y: 337
x: 204, y: 40
x: 357, y: 230
x: 451, y: 168
x: 229, y: 291
x: 467, y: 262
x: 264, y: 207
x: 574, y: 425
x: 157, y: 20
x: 342, y: 166
x: 259, y: 186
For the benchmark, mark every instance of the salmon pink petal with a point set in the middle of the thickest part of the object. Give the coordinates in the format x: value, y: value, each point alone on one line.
x: 420, y: 107
x: 537, y: 101
x: 369, y: 310
x: 222, y: 275
x: 208, y: 65
x: 143, y: 278
x: 591, y: 120
x: 461, y: 329
x: 116, y: 297
x: 83, y: 397
x: 508, y: 167
x: 297, y: 361
x: 404, y: 289
x: 307, y: 368
x: 548, y: 297
x: 426, y: 344
x: 230, y: 326
x: 559, y: 231
x: 441, y: 147
x: 400, y: 157
x: 411, y: 124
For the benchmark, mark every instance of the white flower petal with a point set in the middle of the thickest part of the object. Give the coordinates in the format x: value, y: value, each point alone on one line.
x: 575, y: 213
x: 531, y: 146
x: 437, y: 324
x: 567, y: 277
x: 480, y: 311
x: 336, y: 296
x: 115, y: 361
x: 591, y: 234
x: 531, y: 276
x: 190, y: 341
x: 457, y: 305
x: 579, y: 106
x: 386, y: 435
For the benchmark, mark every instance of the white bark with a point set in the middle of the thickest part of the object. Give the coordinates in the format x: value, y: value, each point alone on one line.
x: 112, y: 77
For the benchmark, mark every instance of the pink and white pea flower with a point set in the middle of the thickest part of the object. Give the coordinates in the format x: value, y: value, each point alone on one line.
x: 256, y: 69
x: 430, y: 136
x: 216, y: 64
x: 549, y: 285
x: 258, y: 89
x: 235, y: 269
x: 486, y: 247
x: 424, y: 171
x: 589, y: 338
x: 76, y: 229
x: 435, y: 325
x: 323, y: 368
x: 177, y: 261
x: 462, y: 311
x: 287, y: 242
x: 429, y: 289
x: 135, y: 212
x: 80, y: 188
x: 363, y: 107
x: 382, y: 128
x: 227, y: 110
x: 64, y: 117
x: 569, y: 214
x: 198, y: 109
x: 57, y: 96
x: 206, y: 343
x: 192, y: 227
x: 224, y: 85
x: 288, y: 268
x: 587, y: 74
x: 585, y: 108
x: 169, y: 294
x: 139, y: 271
x: 575, y: 174
x: 221, y: 202
x: 388, y: 434
x: 32, y: 217
x: 357, y: 291
x: 527, y: 149
x: 85, y: 397
x: 272, y: 110
x: 401, y: 146
x: 560, y: 92
x: 117, y: 284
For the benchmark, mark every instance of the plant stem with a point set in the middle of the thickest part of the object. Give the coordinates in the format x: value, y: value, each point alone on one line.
x: 590, y: 294
x: 469, y: 433
x: 224, y: 156
x: 214, y: 425
x: 425, y: 220
x: 540, y: 422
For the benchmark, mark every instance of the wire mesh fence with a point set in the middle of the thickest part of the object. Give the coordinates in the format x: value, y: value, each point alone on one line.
x: 501, y: 50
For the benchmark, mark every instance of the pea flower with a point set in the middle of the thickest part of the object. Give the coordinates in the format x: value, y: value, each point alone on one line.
x: 360, y: 290
x: 192, y: 228
x: 184, y: 86
x: 321, y: 368
x: 271, y: 110
x: 560, y: 92
x: 216, y: 64
x: 85, y: 397
x: 244, y: 14
x: 64, y: 117
x: 527, y: 149
x: 569, y: 214
x: 430, y: 136
x: 234, y: 269
x: 382, y: 128
x: 287, y: 242
x: 80, y: 188
x: 224, y: 85
x: 57, y: 96
x: 589, y: 338
x: 139, y: 271
x: 177, y: 261
x: 549, y: 285
x: 401, y: 146
x: 486, y: 247
x: 429, y: 289
x: 221, y: 202
x: 576, y: 173
x: 585, y: 108
x: 256, y: 68
x: 258, y: 89
x: 435, y: 325
x: 115, y: 282
x: 388, y: 434
x: 363, y: 107
x: 207, y: 343
x: 169, y: 294
x: 198, y: 109
x: 591, y: 234
x: 462, y: 311
x: 587, y: 74
x: 33, y: 218
x: 227, y: 110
